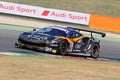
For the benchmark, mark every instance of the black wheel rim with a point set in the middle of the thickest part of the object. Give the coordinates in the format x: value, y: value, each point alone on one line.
x: 64, y: 47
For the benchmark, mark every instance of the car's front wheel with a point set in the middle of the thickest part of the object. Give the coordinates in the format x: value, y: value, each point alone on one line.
x: 62, y: 48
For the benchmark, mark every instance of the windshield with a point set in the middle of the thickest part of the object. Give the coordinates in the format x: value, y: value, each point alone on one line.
x: 52, y: 32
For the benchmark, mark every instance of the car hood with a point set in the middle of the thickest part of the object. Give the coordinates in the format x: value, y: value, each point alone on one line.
x: 41, y: 37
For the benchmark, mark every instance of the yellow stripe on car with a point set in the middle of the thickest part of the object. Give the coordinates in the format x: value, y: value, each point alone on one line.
x: 72, y: 39
x: 79, y: 38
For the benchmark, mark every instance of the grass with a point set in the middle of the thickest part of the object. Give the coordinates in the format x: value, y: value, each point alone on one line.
x: 52, y: 68
x: 102, y: 7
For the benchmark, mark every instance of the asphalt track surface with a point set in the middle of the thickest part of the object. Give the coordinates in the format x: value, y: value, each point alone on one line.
x: 109, y: 49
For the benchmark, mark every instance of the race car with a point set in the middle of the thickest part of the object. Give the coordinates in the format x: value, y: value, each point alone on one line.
x: 61, y: 40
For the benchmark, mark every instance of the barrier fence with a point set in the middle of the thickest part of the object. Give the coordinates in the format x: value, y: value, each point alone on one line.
x: 44, y: 13
x: 93, y: 21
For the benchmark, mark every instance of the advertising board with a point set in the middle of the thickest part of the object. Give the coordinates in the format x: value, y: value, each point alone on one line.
x: 44, y: 13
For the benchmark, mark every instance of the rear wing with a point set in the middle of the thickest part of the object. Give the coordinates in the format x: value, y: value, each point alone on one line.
x: 91, y: 31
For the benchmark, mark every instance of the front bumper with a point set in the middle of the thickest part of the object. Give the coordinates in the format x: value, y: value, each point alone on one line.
x: 47, y: 47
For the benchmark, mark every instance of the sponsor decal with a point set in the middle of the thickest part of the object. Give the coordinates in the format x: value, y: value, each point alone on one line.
x: 45, y: 13
x: 77, y: 17
x: 17, y: 8
x: 26, y: 10
x: 66, y: 16
x: 11, y: 7
x: 61, y: 15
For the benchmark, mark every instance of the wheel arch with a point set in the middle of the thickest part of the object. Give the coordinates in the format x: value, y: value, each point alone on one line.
x: 97, y: 44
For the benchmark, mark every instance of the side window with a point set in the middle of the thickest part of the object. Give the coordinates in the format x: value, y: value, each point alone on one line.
x: 70, y: 35
x: 74, y: 34
x: 77, y: 34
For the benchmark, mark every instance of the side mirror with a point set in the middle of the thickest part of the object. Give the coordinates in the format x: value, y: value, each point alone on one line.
x: 103, y: 35
x: 34, y: 30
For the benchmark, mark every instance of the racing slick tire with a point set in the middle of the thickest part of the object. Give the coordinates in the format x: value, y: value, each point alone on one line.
x: 95, y: 51
x: 62, y: 48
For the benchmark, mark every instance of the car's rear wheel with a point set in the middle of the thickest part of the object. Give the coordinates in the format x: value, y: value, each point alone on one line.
x: 63, y: 46
x: 95, y: 51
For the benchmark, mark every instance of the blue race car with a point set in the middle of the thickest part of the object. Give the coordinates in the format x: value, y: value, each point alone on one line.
x: 61, y: 40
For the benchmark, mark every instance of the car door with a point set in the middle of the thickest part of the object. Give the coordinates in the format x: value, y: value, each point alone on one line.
x: 76, y: 38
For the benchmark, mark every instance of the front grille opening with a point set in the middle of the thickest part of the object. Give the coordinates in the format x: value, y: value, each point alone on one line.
x: 32, y: 43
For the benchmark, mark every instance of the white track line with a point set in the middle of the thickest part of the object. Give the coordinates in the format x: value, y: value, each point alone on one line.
x: 10, y: 53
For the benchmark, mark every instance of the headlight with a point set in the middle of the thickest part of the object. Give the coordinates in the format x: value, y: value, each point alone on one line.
x: 45, y: 38
x: 53, y: 41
